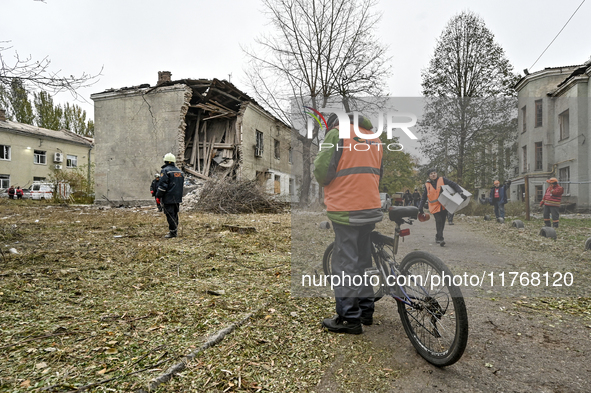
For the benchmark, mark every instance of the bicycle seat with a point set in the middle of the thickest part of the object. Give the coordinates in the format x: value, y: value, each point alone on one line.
x: 399, y: 213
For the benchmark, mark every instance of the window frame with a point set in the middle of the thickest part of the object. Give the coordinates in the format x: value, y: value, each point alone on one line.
x: 259, y: 146
x: 539, y: 114
x: 71, y: 158
x: 524, y: 119
x: 538, y: 148
x: 524, y: 158
x: 4, y: 178
x: 562, y: 134
x: 6, y: 151
x: 37, y: 154
x: 564, y: 179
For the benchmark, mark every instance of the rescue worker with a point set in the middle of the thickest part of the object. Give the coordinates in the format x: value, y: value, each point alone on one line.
x: 19, y: 192
x: 154, y: 188
x: 498, y: 198
x: 432, y: 191
x: 551, y: 202
x: 11, y: 192
x: 170, y: 193
x: 407, y: 197
x: 351, y: 177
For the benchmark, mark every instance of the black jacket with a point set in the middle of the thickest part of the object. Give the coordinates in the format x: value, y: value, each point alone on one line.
x: 170, y: 187
x: 154, y: 187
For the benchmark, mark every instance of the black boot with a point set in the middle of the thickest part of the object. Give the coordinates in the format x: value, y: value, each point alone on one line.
x: 170, y: 235
x: 338, y: 324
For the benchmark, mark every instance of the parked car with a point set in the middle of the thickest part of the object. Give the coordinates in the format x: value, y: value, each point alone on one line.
x: 42, y: 191
x: 386, y: 201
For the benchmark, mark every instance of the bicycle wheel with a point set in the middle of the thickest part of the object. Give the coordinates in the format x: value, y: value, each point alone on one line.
x: 378, y: 289
x: 437, y: 322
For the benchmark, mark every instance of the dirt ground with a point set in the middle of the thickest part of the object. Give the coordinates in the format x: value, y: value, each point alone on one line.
x: 513, y: 345
x: 97, y: 299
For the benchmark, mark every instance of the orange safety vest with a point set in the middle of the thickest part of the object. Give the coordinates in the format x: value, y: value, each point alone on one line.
x: 433, y: 196
x: 356, y: 185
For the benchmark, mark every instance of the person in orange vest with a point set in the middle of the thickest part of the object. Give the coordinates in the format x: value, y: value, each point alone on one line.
x: 432, y: 191
x: 551, y: 202
x: 350, y: 170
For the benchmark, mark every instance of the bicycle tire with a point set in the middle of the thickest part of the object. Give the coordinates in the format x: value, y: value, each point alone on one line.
x: 437, y: 323
x: 327, y: 267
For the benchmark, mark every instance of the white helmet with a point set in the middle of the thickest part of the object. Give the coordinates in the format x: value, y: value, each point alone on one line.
x: 157, y: 175
x: 169, y: 157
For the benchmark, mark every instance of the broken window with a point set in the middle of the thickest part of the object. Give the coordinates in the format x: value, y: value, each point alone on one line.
x: 40, y: 157
x: 277, y: 149
x: 258, y: 149
x: 5, y: 152
x: 564, y: 125
x: 538, y: 156
x: 71, y: 161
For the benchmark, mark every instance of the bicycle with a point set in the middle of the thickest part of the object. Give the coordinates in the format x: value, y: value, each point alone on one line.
x: 434, y: 317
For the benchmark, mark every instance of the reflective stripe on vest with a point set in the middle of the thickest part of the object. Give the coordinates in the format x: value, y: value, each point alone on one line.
x: 433, y: 195
x: 356, y: 184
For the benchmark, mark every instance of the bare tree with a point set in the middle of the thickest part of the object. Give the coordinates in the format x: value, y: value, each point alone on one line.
x: 320, y: 50
x: 470, y: 99
x: 38, y: 75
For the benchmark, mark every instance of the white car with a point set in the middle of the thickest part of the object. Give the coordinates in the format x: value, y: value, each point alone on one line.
x: 386, y: 201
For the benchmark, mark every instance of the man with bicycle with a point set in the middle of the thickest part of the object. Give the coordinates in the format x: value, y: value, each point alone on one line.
x: 350, y: 174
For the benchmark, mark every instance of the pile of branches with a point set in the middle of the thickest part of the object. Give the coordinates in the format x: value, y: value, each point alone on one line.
x: 227, y: 196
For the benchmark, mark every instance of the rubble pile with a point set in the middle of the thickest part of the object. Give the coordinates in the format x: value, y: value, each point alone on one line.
x: 227, y: 196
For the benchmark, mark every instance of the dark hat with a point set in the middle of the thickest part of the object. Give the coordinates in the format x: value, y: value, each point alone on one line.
x: 431, y: 170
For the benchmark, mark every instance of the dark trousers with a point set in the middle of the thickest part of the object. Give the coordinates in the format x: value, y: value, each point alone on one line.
x: 440, y: 218
x: 171, y: 210
x: 351, y: 256
x: 551, y: 210
x: 450, y: 217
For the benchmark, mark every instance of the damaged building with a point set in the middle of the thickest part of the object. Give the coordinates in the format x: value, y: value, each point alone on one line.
x: 214, y: 130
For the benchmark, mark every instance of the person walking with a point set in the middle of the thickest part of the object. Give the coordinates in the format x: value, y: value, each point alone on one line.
x: 19, y: 192
x: 170, y: 193
x: 154, y: 188
x: 498, y: 197
x: 432, y: 191
x: 11, y: 192
x: 450, y: 218
x: 407, y: 198
x: 416, y: 197
x: 351, y: 176
x: 551, y: 202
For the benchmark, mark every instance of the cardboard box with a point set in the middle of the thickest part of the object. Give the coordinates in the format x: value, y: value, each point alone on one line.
x: 452, y: 200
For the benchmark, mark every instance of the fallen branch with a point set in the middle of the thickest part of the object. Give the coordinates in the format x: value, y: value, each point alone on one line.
x: 212, y: 341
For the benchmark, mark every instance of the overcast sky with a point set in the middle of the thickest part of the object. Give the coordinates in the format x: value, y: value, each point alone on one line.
x: 134, y: 39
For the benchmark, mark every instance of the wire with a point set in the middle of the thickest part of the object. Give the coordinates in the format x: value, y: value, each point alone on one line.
x: 557, y: 34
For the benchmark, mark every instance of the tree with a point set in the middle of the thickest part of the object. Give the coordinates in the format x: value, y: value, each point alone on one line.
x: 38, y: 75
x: 19, y: 107
x: 74, y: 119
x: 48, y: 115
x: 470, y: 101
x: 398, y: 169
x: 320, y: 50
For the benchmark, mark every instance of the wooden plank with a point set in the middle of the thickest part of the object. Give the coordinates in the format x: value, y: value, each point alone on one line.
x: 195, y: 139
x: 204, y: 144
x: 196, y: 174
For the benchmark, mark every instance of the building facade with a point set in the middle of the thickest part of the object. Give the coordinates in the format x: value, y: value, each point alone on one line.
x: 29, y: 153
x: 553, y: 132
x: 213, y: 129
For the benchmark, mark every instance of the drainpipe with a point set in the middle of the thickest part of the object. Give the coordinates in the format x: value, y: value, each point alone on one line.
x: 88, y: 175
